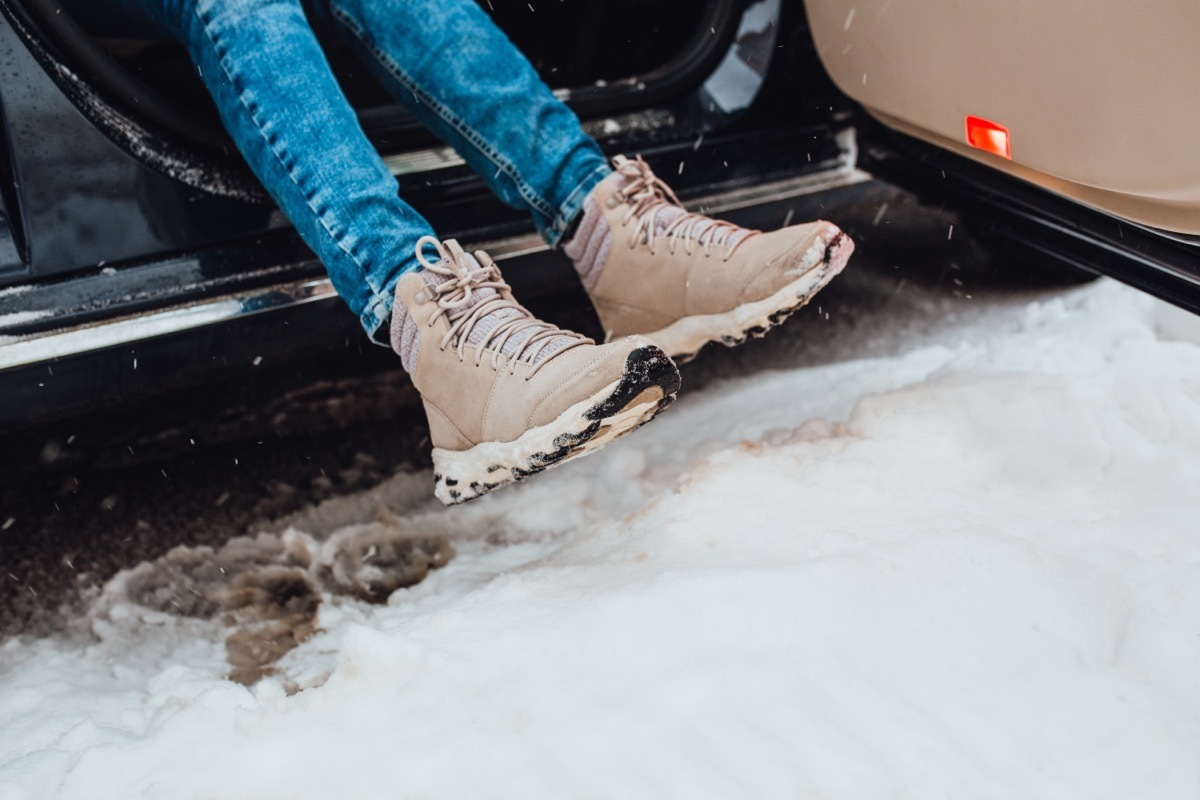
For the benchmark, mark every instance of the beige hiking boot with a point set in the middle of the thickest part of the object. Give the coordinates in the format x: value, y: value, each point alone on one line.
x: 507, y: 395
x: 683, y: 279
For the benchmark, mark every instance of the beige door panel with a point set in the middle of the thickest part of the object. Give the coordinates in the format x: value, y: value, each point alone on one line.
x: 1101, y: 98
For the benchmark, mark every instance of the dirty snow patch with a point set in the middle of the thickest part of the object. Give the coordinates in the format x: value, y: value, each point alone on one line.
x: 969, y: 570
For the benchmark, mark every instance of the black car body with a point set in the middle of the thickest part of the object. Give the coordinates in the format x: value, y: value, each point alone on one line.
x: 139, y: 258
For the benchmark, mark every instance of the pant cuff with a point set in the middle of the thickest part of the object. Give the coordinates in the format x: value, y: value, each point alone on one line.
x: 376, y: 318
x: 571, y: 208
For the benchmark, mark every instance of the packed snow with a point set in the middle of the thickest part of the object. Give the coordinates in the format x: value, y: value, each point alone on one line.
x: 967, y: 570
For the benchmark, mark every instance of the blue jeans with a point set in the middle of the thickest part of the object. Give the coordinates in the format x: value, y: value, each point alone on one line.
x: 443, y: 59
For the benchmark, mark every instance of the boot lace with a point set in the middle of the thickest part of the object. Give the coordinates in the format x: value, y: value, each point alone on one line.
x: 659, y: 214
x: 472, y: 290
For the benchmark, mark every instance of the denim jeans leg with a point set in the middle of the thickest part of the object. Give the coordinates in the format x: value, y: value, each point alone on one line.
x: 461, y: 76
x: 281, y: 104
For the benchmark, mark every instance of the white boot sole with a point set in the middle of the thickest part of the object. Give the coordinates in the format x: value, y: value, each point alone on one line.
x: 620, y: 408
x: 684, y: 338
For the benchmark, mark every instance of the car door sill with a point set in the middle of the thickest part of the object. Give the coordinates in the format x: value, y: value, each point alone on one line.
x: 43, y: 346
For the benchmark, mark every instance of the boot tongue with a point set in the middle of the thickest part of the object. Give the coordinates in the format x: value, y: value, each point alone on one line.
x: 664, y: 216
x: 666, y: 212
x: 478, y: 332
x: 464, y: 265
x: 457, y: 256
x: 663, y: 213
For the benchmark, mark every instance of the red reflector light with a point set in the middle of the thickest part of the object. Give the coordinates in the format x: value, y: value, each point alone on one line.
x: 988, y: 136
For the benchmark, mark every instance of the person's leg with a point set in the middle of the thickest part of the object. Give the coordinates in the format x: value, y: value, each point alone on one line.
x: 506, y: 395
x: 281, y: 104
x: 448, y: 62
x: 462, y: 77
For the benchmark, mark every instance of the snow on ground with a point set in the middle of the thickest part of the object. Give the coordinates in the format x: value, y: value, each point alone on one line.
x: 969, y: 570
